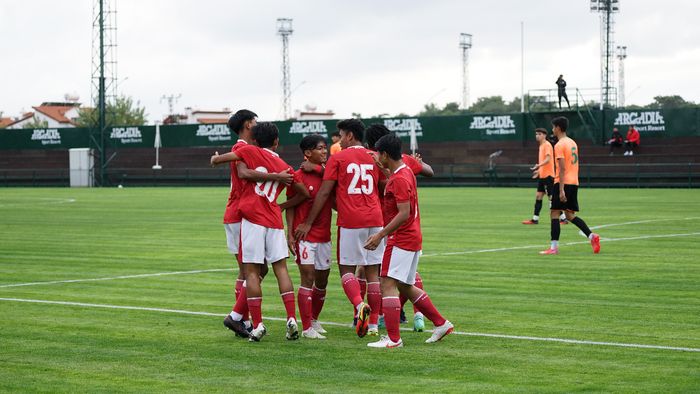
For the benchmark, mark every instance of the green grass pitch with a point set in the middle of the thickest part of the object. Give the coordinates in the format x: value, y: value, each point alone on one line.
x: 480, y: 267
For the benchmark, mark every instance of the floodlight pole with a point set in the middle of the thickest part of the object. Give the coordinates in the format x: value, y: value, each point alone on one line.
x: 465, y: 43
x: 284, y: 29
x: 621, y: 56
x: 522, y: 66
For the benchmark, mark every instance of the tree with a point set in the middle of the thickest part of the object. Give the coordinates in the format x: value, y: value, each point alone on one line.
x: 492, y: 104
x: 668, y: 102
x: 450, y: 109
x: 123, y: 112
x: 36, y: 124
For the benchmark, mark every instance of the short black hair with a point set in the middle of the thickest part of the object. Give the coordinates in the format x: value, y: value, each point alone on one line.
x: 391, y: 144
x: 265, y: 134
x: 561, y: 122
x: 354, y: 126
x: 236, y: 121
x: 309, y: 142
x: 374, y: 132
x: 541, y: 130
x: 335, y: 134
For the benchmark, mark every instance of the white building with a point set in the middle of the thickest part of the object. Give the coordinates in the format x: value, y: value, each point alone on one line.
x: 55, y: 114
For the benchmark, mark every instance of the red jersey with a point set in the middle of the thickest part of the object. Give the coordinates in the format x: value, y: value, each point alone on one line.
x: 357, y: 197
x: 232, y: 215
x: 321, y: 227
x: 402, y: 188
x: 258, y: 202
x: 413, y: 165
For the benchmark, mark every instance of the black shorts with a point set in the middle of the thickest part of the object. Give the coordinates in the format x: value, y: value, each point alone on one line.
x: 545, y: 185
x: 571, y: 193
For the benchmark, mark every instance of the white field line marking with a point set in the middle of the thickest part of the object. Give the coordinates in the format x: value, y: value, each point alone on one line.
x: 475, y: 334
x: 564, y: 244
x: 42, y: 200
x: 53, y: 282
x: 637, y: 222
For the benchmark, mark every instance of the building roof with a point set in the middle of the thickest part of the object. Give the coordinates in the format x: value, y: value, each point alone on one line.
x: 4, y: 122
x: 211, y: 120
x: 56, y: 111
x: 22, y: 118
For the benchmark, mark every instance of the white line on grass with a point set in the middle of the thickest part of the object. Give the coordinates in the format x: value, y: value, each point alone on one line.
x: 564, y: 244
x: 116, y: 277
x: 474, y: 334
x: 637, y: 222
x: 42, y: 200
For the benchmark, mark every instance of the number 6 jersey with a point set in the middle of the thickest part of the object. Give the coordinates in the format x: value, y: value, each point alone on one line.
x: 258, y: 203
x: 357, y: 195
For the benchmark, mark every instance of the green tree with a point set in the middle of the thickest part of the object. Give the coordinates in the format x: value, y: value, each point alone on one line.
x: 450, y: 109
x: 122, y: 112
x: 667, y: 102
x: 36, y: 124
x: 491, y: 104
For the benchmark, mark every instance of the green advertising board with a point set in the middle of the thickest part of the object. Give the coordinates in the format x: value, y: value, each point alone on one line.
x: 594, y: 124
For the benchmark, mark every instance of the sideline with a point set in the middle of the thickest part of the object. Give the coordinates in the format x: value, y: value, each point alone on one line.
x: 474, y: 334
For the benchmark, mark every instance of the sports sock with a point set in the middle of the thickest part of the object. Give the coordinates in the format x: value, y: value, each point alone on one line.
x: 289, y: 305
x: 418, y: 284
x: 304, y: 299
x: 391, y: 307
x: 241, y: 306
x: 318, y: 297
x: 426, y: 307
x: 538, y: 208
x: 255, y: 306
x: 555, y: 230
x: 581, y: 225
x: 352, y: 288
x: 239, y: 285
x: 374, y: 299
x: 554, y: 245
x: 363, y: 287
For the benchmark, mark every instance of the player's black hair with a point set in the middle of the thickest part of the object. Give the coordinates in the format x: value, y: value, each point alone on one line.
x: 391, y: 144
x: 561, y: 122
x: 236, y: 121
x: 265, y: 134
x: 335, y: 134
x: 309, y: 142
x: 354, y: 126
x: 541, y: 130
x: 374, y: 132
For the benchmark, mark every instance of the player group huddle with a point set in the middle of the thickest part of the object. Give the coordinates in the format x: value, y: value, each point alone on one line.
x: 379, y: 235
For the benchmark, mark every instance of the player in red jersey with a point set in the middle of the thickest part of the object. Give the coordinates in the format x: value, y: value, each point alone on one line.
x: 418, y: 167
x: 403, y: 247
x: 355, y: 176
x: 313, y: 255
x: 262, y: 229
x: 240, y: 123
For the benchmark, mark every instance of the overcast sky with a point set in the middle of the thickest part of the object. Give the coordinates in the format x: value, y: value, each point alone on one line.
x: 364, y: 56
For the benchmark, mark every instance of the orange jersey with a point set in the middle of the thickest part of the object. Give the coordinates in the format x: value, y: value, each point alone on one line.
x: 335, y: 148
x: 547, y: 169
x: 567, y: 149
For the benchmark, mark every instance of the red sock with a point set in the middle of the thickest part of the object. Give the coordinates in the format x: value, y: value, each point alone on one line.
x: 242, y: 303
x: 374, y: 299
x: 363, y: 287
x: 351, y: 288
x: 255, y: 306
x: 426, y: 307
x: 402, y: 300
x: 288, y: 299
x: 418, y: 284
x: 304, y: 300
x: 318, y: 297
x: 391, y: 307
x: 239, y: 285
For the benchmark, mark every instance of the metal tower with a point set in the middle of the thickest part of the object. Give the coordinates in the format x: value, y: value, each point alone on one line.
x: 104, y: 75
x: 284, y: 29
x: 607, y: 10
x: 465, y: 43
x: 171, y: 99
x: 621, y: 56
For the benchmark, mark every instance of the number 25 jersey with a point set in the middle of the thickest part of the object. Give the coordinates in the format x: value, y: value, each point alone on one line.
x: 357, y: 197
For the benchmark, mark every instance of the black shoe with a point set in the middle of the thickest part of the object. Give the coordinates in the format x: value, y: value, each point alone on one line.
x: 402, y: 318
x: 236, y: 326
